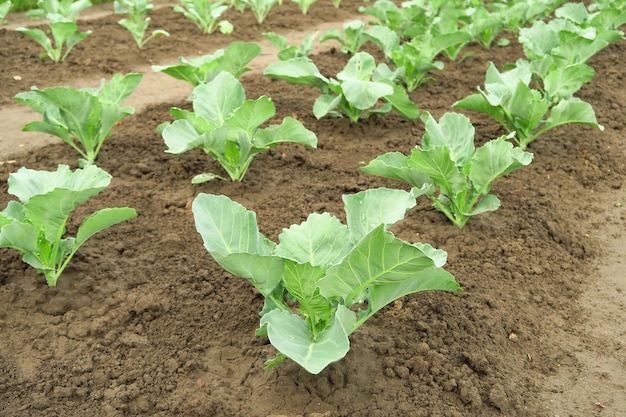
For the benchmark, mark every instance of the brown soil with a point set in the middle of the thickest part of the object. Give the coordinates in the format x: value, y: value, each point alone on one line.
x: 144, y: 322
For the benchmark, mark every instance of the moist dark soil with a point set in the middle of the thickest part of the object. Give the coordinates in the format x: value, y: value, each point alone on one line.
x: 145, y: 323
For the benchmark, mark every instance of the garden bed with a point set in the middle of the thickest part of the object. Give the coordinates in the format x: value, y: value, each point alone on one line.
x: 144, y: 322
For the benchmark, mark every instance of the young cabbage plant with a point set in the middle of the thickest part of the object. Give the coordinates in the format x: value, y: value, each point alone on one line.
x: 227, y: 126
x: 449, y: 170
x: 138, y: 20
x: 484, y: 26
x: 206, y: 14
x: 565, y: 41
x: 304, y: 4
x: 204, y: 69
x: 517, y: 14
x: 261, y: 8
x: 512, y: 102
x: 323, y: 279
x: 81, y: 118
x: 404, y: 20
x: 351, y: 38
x: 356, y: 90
x: 61, y: 16
x: 285, y: 51
x: 36, y: 225
x: 59, y: 10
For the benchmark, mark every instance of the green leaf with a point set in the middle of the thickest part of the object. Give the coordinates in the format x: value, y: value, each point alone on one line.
x: 379, y: 258
x: 27, y: 183
x: 394, y: 165
x: 320, y: 240
x: 426, y: 279
x: 440, y: 167
x: 101, y: 220
x: 455, y: 131
x: 368, y: 209
x: 251, y: 115
x: 495, y: 159
x: 227, y: 227
x: 299, y: 71
x: 364, y: 94
x: 290, y: 130
x: 181, y: 136
x: 263, y: 271
x: 478, y: 102
x: 571, y: 111
x: 290, y: 335
x: 216, y: 100
x: 20, y: 236
x: 401, y: 103
x: 564, y: 82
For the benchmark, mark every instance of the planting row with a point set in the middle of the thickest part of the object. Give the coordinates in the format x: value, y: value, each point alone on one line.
x: 337, y: 276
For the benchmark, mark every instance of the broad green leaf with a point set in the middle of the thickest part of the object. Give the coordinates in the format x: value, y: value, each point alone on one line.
x: 101, y: 220
x: 216, y: 100
x: 564, y: 82
x: 369, y: 209
x: 440, y: 167
x: 571, y: 111
x: 26, y: 183
x: 488, y: 203
x: 40, y: 37
x: 251, y: 115
x: 227, y: 227
x: 478, y: 102
x: 20, y: 236
x: 394, y: 165
x: 320, y: 240
x: 401, y: 103
x: 425, y: 279
x: 364, y: 94
x: 379, y: 258
x: 453, y: 130
x: 495, y: 159
x: 237, y: 55
x: 181, y: 136
x: 290, y: 335
x: 263, y: 271
x: 119, y: 88
x: 360, y: 67
x: 299, y: 71
x: 290, y: 130
x: 325, y: 104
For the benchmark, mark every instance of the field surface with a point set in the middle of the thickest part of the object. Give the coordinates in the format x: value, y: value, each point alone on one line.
x: 145, y: 323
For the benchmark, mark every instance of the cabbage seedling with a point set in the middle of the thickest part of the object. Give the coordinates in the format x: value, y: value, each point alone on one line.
x: 357, y: 89
x: 138, y: 20
x: 203, y: 69
x: 61, y: 16
x: 509, y: 98
x: 285, y: 51
x: 81, y: 118
x: 36, y: 224
x: 449, y: 170
x: 261, y: 8
x: 304, y: 4
x: 351, y: 39
x: 205, y: 14
x: 227, y: 126
x: 323, y: 279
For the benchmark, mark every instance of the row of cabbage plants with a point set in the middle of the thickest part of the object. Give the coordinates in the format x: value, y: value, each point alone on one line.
x: 323, y: 279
